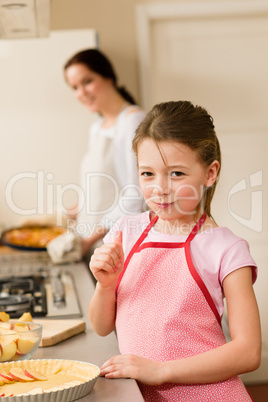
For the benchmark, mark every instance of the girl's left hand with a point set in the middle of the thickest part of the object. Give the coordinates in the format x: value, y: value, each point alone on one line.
x: 132, y: 366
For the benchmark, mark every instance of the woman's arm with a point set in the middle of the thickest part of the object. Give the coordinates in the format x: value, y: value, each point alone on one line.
x: 106, y: 265
x: 242, y: 354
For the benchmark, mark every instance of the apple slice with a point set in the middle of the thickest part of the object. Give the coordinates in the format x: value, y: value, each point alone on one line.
x: 21, y: 327
x: 6, y: 379
x: 26, y: 317
x: 4, y: 316
x: 4, y: 326
x: 26, y: 345
x: 18, y: 353
x: 34, y: 374
x: 8, y: 350
x: 11, y: 337
x: 6, y: 329
x: 18, y: 374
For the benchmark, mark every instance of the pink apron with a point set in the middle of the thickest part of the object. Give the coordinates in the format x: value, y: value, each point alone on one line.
x: 165, y: 312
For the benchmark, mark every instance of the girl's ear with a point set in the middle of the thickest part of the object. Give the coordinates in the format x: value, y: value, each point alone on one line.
x: 212, y: 173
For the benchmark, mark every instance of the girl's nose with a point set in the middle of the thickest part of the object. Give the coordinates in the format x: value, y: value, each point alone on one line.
x: 157, y: 190
x: 161, y: 187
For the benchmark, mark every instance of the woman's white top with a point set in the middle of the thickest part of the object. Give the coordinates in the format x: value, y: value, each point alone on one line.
x: 108, y: 173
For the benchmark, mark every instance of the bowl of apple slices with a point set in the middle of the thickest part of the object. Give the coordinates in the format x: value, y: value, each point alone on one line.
x: 19, y: 340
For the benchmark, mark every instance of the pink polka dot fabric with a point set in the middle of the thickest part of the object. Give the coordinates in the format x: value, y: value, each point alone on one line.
x: 163, y: 314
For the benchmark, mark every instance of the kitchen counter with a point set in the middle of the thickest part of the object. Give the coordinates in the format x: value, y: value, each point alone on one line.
x: 92, y: 348
x: 88, y: 346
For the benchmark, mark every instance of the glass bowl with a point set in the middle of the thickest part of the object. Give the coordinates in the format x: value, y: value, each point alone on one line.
x: 19, y: 340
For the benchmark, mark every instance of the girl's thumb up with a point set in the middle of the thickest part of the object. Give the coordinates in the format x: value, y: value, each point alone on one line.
x: 118, y: 237
x: 119, y: 246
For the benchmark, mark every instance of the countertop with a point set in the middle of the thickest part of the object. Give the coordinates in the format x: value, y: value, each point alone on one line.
x: 90, y: 347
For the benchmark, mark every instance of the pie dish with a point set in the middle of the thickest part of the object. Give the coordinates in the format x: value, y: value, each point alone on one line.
x: 67, y: 380
x: 31, y: 237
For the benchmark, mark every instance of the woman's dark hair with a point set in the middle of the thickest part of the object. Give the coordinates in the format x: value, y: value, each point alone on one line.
x: 190, y: 125
x: 98, y: 62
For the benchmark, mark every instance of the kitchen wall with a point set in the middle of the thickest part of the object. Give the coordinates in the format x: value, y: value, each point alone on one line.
x: 115, y: 22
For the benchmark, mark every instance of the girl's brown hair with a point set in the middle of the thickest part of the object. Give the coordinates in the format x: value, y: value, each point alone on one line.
x: 190, y: 125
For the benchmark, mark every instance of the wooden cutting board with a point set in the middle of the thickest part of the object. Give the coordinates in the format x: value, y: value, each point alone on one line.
x: 55, y: 331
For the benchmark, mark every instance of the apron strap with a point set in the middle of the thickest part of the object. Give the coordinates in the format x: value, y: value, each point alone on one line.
x: 196, y: 228
x: 199, y: 281
x: 194, y: 272
x: 134, y: 248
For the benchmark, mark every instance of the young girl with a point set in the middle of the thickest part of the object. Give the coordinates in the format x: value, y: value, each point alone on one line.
x: 162, y: 275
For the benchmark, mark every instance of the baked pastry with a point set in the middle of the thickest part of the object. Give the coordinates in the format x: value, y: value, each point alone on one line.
x: 32, y: 236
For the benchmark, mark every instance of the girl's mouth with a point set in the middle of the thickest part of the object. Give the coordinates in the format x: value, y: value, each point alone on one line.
x: 164, y: 205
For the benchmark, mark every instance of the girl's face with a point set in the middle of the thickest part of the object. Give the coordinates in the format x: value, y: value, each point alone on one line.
x: 89, y: 87
x: 172, y: 179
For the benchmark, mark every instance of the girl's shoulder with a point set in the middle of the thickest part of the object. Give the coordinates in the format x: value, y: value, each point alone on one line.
x: 227, y: 251
x: 221, y: 235
x: 221, y: 241
x: 130, y: 225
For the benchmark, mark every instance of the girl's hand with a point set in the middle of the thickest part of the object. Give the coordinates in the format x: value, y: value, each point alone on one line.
x: 107, y: 262
x: 131, y: 366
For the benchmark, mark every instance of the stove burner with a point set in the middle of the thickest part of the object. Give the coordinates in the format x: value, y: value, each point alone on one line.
x: 22, y: 294
x: 17, y: 287
x: 46, y: 293
x: 11, y: 304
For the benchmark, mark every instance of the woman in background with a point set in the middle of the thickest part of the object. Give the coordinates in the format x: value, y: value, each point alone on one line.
x: 108, y: 172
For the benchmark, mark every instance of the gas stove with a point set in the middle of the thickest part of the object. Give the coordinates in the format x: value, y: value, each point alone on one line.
x: 31, y: 284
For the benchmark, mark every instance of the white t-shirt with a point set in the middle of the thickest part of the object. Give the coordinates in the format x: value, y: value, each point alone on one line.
x: 215, y: 252
x: 130, y: 199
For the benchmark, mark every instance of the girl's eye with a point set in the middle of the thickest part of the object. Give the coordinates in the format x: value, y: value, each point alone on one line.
x: 146, y: 174
x: 177, y: 174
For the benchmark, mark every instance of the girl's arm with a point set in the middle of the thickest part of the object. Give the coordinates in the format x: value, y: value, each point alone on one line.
x: 106, y: 265
x: 242, y: 354
x: 102, y: 310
